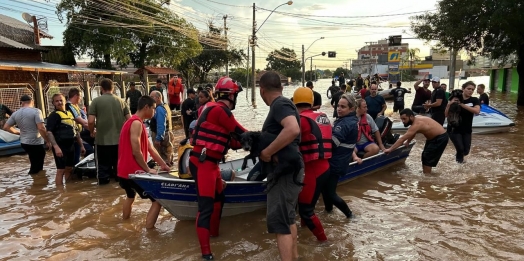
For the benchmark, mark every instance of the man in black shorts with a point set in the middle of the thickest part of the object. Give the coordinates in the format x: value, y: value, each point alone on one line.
x: 283, y: 121
x: 436, y: 135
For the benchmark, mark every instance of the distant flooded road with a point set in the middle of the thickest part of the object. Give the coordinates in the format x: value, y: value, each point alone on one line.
x: 461, y: 212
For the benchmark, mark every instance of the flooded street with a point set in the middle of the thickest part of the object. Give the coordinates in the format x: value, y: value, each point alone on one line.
x: 460, y: 212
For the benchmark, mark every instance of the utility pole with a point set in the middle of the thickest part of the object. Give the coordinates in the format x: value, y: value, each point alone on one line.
x: 247, y: 66
x: 253, y: 39
x: 225, y: 34
x: 315, y: 73
x: 311, y: 70
x: 303, y: 68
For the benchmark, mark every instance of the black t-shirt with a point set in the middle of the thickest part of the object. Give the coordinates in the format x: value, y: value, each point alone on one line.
x: 317, y: 99
x: 188, y: 104
x: 421, y: 96
x: 360, y: 82
x: 466, y: 117
x: 398, y: 94
x: 439, y: 94
x: 341, y: 80
x: 281, y: 108
x: 484, y: 99
x: 334, y: 102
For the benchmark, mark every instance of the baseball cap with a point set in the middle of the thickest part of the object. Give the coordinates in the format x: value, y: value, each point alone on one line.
x: 25, y: 98
x: 435, y: 79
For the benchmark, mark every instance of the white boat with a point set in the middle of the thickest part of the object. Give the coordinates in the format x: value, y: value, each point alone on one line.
x: 490, y: 120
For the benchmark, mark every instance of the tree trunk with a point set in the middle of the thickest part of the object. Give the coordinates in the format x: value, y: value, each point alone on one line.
x: 520, y: 71
x: 142, y: 55
x: 107, y: 61
x: 452, y: 68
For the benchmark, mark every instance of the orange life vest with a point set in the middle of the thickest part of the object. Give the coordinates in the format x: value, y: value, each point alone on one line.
x: 211, y: 135
x: 364, y: 128
x: 316, y: 145
x: 174, y: 87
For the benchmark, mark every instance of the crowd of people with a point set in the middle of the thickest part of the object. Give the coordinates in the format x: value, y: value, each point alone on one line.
x: 116, y: 132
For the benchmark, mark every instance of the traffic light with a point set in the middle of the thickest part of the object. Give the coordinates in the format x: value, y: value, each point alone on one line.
x: 332, y: 54
x: 395, y: 40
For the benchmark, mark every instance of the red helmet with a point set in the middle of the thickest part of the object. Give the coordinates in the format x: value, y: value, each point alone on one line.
x: 226, y: 89
x: 226, y: 85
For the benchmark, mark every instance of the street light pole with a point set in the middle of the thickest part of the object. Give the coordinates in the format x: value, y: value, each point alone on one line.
x: 254, y: 42
x: 303, y: 62
x: 303, y: 67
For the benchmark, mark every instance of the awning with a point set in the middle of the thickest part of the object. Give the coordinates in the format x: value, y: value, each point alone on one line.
x: 50, y: 67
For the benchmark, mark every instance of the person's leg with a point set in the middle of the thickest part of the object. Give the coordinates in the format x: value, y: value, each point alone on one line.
x: 32, y: 154
x: 202, y: 173
x: 466, y: 141
x: 456, y: 139
x: 337, y: 201
x: 59, y: 176
x: 127, y: 207
x: 103, y: 164
x: 152, y: 214
x: 171, y: 106
x: 285, y: 243
x: 330, y: 185
x: 77, y: 153
x: 426, y: 169
x: 307, y: 200
x: 217, y: 207
x: 371, y: 149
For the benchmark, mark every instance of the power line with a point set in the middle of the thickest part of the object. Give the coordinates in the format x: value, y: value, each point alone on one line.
x: 355, y: 16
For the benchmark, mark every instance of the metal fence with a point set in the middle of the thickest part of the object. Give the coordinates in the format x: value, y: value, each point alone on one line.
x: 63, y: 88
x: 10, y: 94
x: 95, y: 90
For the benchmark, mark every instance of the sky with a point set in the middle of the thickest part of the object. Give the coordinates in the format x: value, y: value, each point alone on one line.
x: 345, y: 25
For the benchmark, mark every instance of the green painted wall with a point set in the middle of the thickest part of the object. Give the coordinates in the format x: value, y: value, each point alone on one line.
x: 491, y: 80
x: 514, y: 81
x: 502, y: 80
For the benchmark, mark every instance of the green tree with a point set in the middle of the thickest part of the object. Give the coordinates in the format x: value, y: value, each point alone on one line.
x: 240, y: 75
x: 487, y: 27
x: 328, y: 73
x: 286, y: 62
x: 138, y: 32
x: 213, y: 56
x: 340, y: 70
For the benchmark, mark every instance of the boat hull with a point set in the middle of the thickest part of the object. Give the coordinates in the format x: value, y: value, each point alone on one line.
x: 11, y: 148
x: 179, y: 198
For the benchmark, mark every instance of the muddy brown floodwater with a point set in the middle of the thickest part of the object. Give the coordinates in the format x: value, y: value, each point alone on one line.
x: 461, y: 212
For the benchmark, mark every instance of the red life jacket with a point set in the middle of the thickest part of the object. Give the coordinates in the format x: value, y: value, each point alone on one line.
x: 364, y: 128
x: 211, y: 135
x: 174, y: 87
x: 316, y: 145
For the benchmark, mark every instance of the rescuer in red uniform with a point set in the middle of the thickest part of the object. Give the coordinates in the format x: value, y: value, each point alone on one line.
x: 315, y: 146
x: 211, y: 140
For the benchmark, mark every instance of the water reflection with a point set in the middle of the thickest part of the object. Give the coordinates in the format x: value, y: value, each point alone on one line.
x: 461, y: 212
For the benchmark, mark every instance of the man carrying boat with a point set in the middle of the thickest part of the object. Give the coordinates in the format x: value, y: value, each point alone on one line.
x: 132, y: 157
x: 282, y: 121
x: 315, y: 146
x: 211, y: 140
x: 436, y: 135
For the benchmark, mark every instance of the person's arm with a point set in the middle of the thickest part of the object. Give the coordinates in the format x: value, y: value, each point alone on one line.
x: 135, y: 133
x: 126, y: 111
x: 161, y: 124
x: 10, y: 128
x: 379, y: 141
x: 475, y: 109
x: 228, y: 121
x: 8, y: 111
x: 384, y: 106
x: 447, y: 108
x: 409, y: 135
x: 290, y: 131
x: 91, y: 124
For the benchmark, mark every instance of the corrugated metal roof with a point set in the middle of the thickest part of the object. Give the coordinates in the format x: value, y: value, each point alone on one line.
x: 6, y: 42
x: 156, y: 70
x: 51, y: 67
x: 15, y: 23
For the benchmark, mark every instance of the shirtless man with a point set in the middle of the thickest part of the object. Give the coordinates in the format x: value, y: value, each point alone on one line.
x: 436, y: 135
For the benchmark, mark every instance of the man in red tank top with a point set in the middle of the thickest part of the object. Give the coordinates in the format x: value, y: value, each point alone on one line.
x: 132, y: 158
x: 315, y: 146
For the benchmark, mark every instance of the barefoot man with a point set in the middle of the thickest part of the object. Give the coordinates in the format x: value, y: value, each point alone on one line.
x: 436, y: 135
